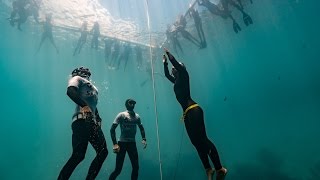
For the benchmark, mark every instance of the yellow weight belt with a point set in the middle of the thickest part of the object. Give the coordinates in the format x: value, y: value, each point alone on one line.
x: 187, y: 110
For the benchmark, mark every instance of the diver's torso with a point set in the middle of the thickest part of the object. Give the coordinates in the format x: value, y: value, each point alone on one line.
x: 128, y: 125
x: 182, y: 90
x: 87, y: 92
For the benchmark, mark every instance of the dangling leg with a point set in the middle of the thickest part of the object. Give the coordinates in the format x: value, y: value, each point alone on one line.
x: 98, y: 142
x: 246, y: 18
x: 53, y: 43
x: 119, y: 161
x: 80, y: 137
x: 235, y: 25
x: 134, y: 158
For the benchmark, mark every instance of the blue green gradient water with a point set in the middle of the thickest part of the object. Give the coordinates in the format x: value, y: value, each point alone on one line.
x: 259, y: 90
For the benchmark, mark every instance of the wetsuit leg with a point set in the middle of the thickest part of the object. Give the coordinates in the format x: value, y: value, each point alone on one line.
x: 119, y: 160
x: 98, y: 142
x: 80, y: 138
x: 134, y: 158
x: 214, y: 155
x: 195, y: 126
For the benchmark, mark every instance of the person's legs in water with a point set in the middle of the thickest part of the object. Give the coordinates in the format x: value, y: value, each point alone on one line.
x: 134, y: 158
x: 43, y: 37
x: 23, y: 16
x: 82, y: 42
x: 93, y: 42
x: 77, y: 47
x: 80, y: 139
x: 98, y: 142
x: 204, y: 159
x: 126, y: 62
x: 195, y: 126
x: 53, y: 43
x: 235, y: 25
x: 188, y: 36
x: 119, y: 160
x: 246, y: 18
x: 203, y: 42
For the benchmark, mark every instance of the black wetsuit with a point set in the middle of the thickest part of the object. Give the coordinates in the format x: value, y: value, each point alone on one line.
x: 194, y: 119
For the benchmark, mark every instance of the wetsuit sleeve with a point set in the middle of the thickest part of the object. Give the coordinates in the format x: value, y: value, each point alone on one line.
x: 73, y: 93
x: 113, y: 133
x: 166, y: 72
x: 174, y: 62
x: 143, y: 133
x: 113, y: 128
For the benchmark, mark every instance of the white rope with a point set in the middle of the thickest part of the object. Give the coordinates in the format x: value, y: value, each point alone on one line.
x: 154, y: 92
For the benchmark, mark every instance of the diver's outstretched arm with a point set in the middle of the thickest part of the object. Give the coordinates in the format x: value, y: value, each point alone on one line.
x: 166, y: 70
x: 174, y: 62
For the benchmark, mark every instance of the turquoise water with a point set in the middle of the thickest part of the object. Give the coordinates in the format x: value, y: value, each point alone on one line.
x: 259, y: 90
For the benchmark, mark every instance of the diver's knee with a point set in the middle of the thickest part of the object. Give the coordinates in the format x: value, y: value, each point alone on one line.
x: 104, y: 153
x: 78, y: 157
x: 117, y: 171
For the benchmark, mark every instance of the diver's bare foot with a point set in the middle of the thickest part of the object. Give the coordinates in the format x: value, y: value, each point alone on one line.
x: 221, y: 173
x: 210, y: 173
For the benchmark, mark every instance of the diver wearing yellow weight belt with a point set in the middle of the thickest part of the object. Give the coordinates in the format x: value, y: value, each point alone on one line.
x: 193, y: 117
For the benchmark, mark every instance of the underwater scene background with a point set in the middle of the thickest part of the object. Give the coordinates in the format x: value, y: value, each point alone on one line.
x: 259, y: 89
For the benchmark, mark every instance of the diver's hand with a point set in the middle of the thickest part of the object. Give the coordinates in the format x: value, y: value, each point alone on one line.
x: 168, y: 53
x: 165, y: 60
x: 144, y: 143
x: 166, y: 50
x: 85, y: 110
x: 116, y: 148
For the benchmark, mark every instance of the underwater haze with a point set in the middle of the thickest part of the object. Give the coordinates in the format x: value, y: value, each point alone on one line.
x: 259, y: 89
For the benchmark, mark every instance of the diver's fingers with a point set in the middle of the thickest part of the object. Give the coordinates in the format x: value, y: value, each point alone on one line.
x: 164, y: 57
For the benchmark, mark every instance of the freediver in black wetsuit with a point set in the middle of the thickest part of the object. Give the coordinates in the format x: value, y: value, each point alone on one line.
x: 193, y: 117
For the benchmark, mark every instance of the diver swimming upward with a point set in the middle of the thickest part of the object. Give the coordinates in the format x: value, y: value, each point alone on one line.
x: 193, y: 117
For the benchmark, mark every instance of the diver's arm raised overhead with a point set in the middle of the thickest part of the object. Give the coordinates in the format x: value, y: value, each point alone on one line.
x: 174, y: 62
x: 166, y: 70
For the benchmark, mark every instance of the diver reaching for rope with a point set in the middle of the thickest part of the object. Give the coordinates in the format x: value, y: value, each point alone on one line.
x: 193, y: 117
